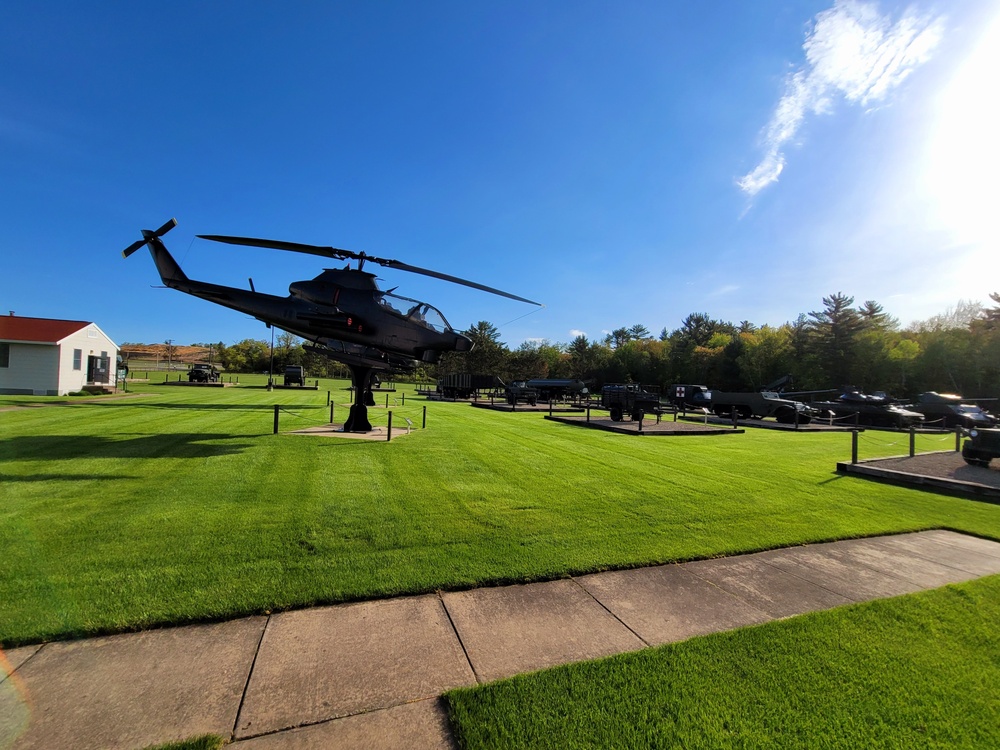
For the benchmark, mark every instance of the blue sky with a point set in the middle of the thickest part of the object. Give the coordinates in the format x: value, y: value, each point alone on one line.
x: 621, y: 162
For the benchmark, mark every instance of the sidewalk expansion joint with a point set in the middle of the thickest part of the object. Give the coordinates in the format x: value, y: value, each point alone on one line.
x: 624, y: 624
x: 246, y: 685
x: 454, y: 628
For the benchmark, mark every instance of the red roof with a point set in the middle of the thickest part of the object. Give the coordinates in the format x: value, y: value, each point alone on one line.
x: 16, y: 328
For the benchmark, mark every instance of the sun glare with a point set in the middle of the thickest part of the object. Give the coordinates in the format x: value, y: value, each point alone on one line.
x: 962, y: 165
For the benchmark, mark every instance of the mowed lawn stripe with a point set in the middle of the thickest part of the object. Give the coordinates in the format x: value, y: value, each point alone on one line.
x: 179, y: 505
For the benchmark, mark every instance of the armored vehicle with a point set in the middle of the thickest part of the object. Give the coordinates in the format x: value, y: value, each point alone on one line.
x: 878, y: 410
x: 950, y: 411
x: 203, y: 374
x: 295, y: 375
x: 982, y: 446
x: 558, y: 388
x: 629, y: 398
x: 746, y: 405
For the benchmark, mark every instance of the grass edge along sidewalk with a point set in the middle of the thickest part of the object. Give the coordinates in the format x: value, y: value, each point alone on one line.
x: 919, y: 670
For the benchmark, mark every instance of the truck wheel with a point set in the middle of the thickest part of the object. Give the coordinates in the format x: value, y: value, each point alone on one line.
x: 616, y: 414
x: 744, y: 412
x: 721, y: 411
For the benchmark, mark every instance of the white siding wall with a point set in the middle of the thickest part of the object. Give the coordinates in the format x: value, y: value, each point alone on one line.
x: 92, y: 341
x: 34, y: 369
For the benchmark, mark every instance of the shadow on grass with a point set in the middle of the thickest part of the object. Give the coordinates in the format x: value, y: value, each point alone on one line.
x: 54, y: 447
x: 63, y: 477
x: 199, y: 407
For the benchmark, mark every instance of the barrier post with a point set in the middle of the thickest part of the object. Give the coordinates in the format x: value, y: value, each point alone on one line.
x: 331, y: 413
x: 854, y: 446
x: 588, y: 413
x: 328, y: 400
x: 387, y: 401
x: 388, y: 432
x: 958, y: 439
x: 404, y: 399
x: 276, y: 408
x: 550, y: 407
x: 913, y: 435
x: 424, y: 426
x: 641, y: 415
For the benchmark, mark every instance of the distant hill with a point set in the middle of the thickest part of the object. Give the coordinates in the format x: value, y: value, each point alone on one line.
x: 183, y: 354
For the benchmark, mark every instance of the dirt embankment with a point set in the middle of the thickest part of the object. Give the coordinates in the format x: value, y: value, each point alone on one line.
x: 159, y: 352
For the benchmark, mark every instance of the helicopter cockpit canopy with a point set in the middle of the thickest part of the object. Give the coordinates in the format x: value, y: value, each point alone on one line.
x: 416, y: 311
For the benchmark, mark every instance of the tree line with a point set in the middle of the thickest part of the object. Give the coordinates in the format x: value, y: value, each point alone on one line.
x: 840, y: 344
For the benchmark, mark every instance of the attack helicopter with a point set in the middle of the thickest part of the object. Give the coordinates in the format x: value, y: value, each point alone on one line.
x: 342, y: 312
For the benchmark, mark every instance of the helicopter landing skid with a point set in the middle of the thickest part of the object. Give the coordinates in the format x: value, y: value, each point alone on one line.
x: 358, y: 419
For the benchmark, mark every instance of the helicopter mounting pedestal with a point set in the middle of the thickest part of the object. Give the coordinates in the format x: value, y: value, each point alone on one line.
x: 358, y: 419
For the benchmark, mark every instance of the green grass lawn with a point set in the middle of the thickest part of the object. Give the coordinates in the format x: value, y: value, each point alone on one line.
x: 914, y: 671
x: 179, y: 505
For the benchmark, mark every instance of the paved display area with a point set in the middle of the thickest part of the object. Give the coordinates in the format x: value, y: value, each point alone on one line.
x: 369, y: 674
x: 939, y: 471
x: 649, y: 426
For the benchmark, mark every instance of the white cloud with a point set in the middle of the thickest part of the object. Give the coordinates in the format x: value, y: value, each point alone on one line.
x: 575, y: 332
x: 852, y: 52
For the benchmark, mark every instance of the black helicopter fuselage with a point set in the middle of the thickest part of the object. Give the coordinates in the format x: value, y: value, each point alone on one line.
x: 342, y: 311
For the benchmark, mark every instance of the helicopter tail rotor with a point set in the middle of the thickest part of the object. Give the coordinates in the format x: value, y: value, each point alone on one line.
x: 147, y: 236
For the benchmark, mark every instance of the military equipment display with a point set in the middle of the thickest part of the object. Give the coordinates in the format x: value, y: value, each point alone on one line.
x: 295, y: 375
x: 982, y: 446
x: 630, y: 399
x: 550, y: 389
x: 519, y: 392
x: 878, y: 410
x: 341, y: 312
x: 203, y: 374
x: 745, y: 405
x: 464, y: 385
x: 949, y: 410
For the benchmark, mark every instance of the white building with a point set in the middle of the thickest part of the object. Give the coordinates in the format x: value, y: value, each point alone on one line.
x: 44, y: 357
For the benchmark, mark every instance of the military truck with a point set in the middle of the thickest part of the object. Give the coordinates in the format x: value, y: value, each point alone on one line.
x: 203, y: 374
x: 295, y: 375
x: 520, y: 392
x: 982, y: 446
x: 631, y: 399
x: 745, y: 405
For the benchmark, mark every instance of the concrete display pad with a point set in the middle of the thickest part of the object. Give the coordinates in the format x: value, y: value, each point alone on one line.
x: 504, y: 406
x: 513, y: 629
x: 133, y: 690
x: 376, y: 434
x: 414, y: 726
x: 667, y: 603
x: 941, y: 471
x: 323, y: 663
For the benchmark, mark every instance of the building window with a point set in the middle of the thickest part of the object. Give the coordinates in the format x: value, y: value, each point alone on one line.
x: 78, y: 359
x: 4, y: 355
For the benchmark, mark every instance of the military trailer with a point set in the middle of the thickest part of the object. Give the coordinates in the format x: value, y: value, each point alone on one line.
x: 950, y: 410
x: 466, y: 385
x: 203, y: 374
x: 630, y: 399
x: 982, y: 446
x: 744, y: 405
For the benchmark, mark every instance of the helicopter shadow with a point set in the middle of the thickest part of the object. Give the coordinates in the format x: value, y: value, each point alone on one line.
x: 69, y: 447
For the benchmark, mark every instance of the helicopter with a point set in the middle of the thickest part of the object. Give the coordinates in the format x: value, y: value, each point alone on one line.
x: 342, y: 312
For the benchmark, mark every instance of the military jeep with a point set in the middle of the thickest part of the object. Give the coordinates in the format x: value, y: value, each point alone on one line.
x: 203, y: 374
x: 982, y: 446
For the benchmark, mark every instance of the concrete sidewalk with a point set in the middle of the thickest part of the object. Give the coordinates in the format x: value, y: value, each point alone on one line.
x: 369, y: 674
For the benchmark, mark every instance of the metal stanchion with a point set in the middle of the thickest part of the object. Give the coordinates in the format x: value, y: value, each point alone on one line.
x: 913, y: 435
x: 424, y: 426
x: 854, y: 446
x: 388, y: 432
x: 276, y: 408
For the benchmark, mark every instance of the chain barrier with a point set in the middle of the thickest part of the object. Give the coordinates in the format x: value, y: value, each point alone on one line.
x: 285, y: 410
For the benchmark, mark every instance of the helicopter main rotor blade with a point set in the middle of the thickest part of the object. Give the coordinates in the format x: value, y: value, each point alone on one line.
x: 453, y: 279
x: 340, y: 254
x: 295, y: 247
